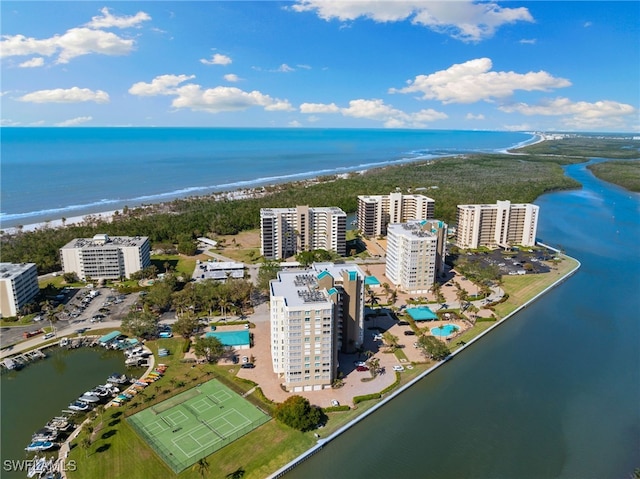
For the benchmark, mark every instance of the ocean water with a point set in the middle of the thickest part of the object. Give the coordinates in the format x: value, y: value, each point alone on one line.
x: 51, y: 173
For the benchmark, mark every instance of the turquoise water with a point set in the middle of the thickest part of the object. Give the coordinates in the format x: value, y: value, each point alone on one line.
x: 446, y: 330
x: 422, y: 314
x: 553, y: 393
x: 50, y: 173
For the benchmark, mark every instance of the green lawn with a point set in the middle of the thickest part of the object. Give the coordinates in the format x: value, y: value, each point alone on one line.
x: 522, y: 288
x: 181, y: 264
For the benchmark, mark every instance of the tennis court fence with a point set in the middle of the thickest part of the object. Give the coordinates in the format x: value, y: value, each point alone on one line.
x: 179, y: 464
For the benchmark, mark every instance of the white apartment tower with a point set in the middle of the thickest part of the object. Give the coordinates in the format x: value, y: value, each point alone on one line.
x: 18, y: 286
x: 315, y: 313
x: 303, y: 332
x: 105, y: 257
x: 284, y: 232
x: 415, y: 254
x: 501, y: 225
x: 375, y: 212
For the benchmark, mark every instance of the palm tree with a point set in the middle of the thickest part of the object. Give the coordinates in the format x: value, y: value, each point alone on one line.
x: 201, y: 467
x: 85, y: 444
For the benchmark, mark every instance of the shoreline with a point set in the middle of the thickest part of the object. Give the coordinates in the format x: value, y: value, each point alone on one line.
x: 322, y: 442
x: 230, y: 195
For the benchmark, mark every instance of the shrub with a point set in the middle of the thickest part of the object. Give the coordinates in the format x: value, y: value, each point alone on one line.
x: 186, y: 346
x: 336, y: 408
x: 366, y: 397
x: 297, y: 413
x: 391, y: 387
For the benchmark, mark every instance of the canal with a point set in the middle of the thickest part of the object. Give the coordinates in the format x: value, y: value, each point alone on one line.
x: 552, y: 393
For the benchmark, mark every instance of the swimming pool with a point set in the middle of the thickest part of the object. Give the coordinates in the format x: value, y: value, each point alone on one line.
x: 445, y: 330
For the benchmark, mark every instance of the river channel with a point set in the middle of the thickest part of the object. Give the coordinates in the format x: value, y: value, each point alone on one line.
x: 554, y: 392
x: 40, y: 391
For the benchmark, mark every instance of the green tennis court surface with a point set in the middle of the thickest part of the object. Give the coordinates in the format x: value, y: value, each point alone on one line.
x: 196, y: 423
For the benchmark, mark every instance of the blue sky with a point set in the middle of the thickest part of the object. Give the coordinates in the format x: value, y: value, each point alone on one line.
x: 544, y: 66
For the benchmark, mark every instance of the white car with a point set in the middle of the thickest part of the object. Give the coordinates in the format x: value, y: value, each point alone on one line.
x: 359, y: 363
x: 334, y: 402
x: 398, y: 368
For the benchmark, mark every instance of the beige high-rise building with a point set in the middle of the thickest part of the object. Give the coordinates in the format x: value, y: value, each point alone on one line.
x: 106, y: 257
x: 314, y: 315
x: 18, y: 286
x: 415, y: 254
x: 284, y: 232
x: 500, y: 225
x: 375, y: 212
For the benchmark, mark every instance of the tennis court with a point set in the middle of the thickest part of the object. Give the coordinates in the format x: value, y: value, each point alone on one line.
x: 196, y: 423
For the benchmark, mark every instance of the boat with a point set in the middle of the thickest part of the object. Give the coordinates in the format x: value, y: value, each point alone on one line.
x: 44, y: 435
x: 79, y: 406
x: 60, y: 423
x: 100, y: 392
x: 89, y: 397
x: 117, y: 378
x: 64, y: 342
x: 40, y: 466
x: 36, y: 446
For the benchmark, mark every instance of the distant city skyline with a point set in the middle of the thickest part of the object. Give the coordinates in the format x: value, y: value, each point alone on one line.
x: 497, y: 65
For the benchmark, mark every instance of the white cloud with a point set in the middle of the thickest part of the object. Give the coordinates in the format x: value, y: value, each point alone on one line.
x: 471, y: 116
x: 217, y: 59
x: 465, y: 20
x: 160, y: 85
x: 8, y: 122
x: 284, y: 68
x: 75, y: 121
x: 319, y: 108
x: 33, y: 63
x: 587, y: 24
x: 232, y: 77
x: 69, y: 95
x: 107, y: 20
x: 473, y: 81
x: 73, y: 43
x: 521, y: 127
x: 295, y: 124
x: 218, y: 99
x: 580, y: 114
x: 377, y: 110
x: 528, y: 41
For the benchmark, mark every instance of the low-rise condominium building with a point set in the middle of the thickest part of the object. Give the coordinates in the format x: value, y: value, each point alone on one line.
x: 106, y: 257
x: 18, y: 286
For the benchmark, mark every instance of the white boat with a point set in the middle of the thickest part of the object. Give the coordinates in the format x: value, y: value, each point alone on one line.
x: 79, y: 406
x: 41, y: 465
x: 89, y: 398
x: 40, y: 446
x: 117, y: 378
x: 100, y: 392
x: 64, y: 342
x: 45, y: 435
x: 61, y: 424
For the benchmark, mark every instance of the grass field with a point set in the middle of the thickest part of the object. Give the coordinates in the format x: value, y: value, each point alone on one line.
x: 523, y: 288
x: 196, y: 423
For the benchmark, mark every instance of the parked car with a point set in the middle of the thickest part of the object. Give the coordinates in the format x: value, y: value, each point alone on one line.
x: 362, y: 368
x: 403, y: 323
x: 398, y: 367
x: 359, y: 363
x: 409, y: 332
x: 248, y: 366
x: 165, y: 334
x: 245, y: 359
x: 335, y: 403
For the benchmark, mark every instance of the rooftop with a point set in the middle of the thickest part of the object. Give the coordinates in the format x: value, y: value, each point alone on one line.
x: 107, y: 241
x: 9, y: 270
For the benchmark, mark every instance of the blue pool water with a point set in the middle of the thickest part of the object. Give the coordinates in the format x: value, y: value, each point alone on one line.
x: 445, y: 330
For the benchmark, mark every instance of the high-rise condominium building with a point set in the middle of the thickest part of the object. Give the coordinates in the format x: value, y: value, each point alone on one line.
x: 284, y: 232
x: 315, y: 314
x: 105, y: 257
x: 415, y: 254
x: 501, y: 225
x: 375, y: 212
x: 18, y: 286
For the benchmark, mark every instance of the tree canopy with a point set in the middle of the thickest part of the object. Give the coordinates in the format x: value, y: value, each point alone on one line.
x: 433, y: 348
x: 140, y: 323
x: 208, y: 347
x: 297, y: 413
